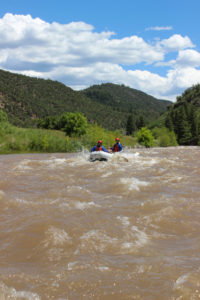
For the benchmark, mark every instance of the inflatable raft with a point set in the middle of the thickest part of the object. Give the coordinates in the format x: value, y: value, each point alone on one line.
x: 100, y: 155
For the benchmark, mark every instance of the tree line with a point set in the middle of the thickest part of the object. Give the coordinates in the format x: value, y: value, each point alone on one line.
x: 185, y: 122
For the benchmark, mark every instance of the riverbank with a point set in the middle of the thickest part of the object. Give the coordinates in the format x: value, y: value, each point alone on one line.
x: 28, y: 140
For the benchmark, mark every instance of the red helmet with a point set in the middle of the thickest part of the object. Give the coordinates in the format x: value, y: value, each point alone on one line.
x: 117, y: 139
x: 99, y: 142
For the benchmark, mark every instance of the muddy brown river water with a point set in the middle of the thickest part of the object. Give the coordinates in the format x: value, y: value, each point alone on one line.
x: 128, y: 228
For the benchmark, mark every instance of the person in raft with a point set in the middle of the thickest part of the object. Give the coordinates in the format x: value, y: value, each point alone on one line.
x: 99, y: 147
x: 117, y: 147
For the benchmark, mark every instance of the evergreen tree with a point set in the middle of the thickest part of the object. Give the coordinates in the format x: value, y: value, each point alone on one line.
x: 183, y: 127
x: 194, y: 126
x: 169, y: 122
x: 130, y: 125
x: 140, y: 122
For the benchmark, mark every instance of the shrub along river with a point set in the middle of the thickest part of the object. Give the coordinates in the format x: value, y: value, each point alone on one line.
x: 123, y: 229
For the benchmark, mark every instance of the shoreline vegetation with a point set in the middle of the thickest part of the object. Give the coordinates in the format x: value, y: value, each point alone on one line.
x: 14, y: 140
x: 76, y: 135
x: 44, y: 116
x: 72, y: 132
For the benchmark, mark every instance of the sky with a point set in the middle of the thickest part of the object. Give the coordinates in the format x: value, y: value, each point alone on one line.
x: 148, y: 45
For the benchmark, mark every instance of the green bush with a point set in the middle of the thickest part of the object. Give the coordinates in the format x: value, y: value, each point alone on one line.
x: 145, y: 137
x: 73, y: 124
x: 164, y: 137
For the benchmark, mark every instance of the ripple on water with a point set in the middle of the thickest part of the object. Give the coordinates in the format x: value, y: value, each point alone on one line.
x: 11, y: 293
x: 106, y: 230
x: 2, y: 194
x: 133, y: 183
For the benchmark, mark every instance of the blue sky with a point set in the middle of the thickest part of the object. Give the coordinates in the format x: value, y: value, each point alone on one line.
x: 149, y: 45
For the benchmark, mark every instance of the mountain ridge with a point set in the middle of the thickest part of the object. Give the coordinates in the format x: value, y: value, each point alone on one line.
x: 25, y: 99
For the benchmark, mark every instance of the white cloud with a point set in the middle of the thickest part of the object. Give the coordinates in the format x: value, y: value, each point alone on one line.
x: 175, y: 43
x: 159, y: 28
x: 184, y: 77
x: 169, y: 63
x: 188, y: 58
x: 78, y: 56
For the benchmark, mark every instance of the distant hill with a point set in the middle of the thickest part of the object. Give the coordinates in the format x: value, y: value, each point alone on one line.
x: 25, y: 99
x: 126, y: 99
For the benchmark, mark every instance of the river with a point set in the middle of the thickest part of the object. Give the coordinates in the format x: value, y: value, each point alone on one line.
x: 128, y: 228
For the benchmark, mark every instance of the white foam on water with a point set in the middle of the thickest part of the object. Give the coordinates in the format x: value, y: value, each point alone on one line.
x: 72, y: 265
x: 164, y: 213
x: 80, y: 159
x: 108, y: 174
x: 77, y: 265
x: 22, y: 201
x: 56, y: 237
x: 188, y: 285
x: 75, y: 188
x: 143, y: 268
x: 134, y: 239
x: 141, y: 236
x: 131, y: 154
x: 98, y: 240
x: 11, y: 293
x: 54, y: 162
x: 84, y: 205
x: 23, y: 165
x: 36, y: 203
x: 124, y: 220
x: 119, y: 157
x: 180, y: 281
x: 78, y: 190
x: 102, y: 268
x: 128, y: 245
x: 51, y: 163
x: 147, y: 162
x: 64, y: 205
x: 174, y: 179
x: 133, y: 183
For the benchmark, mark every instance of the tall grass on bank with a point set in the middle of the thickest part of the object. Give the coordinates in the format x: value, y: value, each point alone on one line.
x: 21, y: 140
x: 18, y: 140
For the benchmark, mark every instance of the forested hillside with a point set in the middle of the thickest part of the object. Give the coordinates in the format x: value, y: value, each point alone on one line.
x: 184, y: 117
x: 123, y: 98
x: 26, y: 99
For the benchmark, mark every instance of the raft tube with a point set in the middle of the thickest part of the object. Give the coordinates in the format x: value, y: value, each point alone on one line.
x: 100, y: 155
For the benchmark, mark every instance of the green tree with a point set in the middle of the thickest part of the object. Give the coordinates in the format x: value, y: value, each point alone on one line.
x: 193, y: 119
x: 183, y: 127
x: 140, y: 122
x: 145, y: 137
x: 169, y: 122
x: 50, y: 122
x: 130, y: 125
x: 73, y: 124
